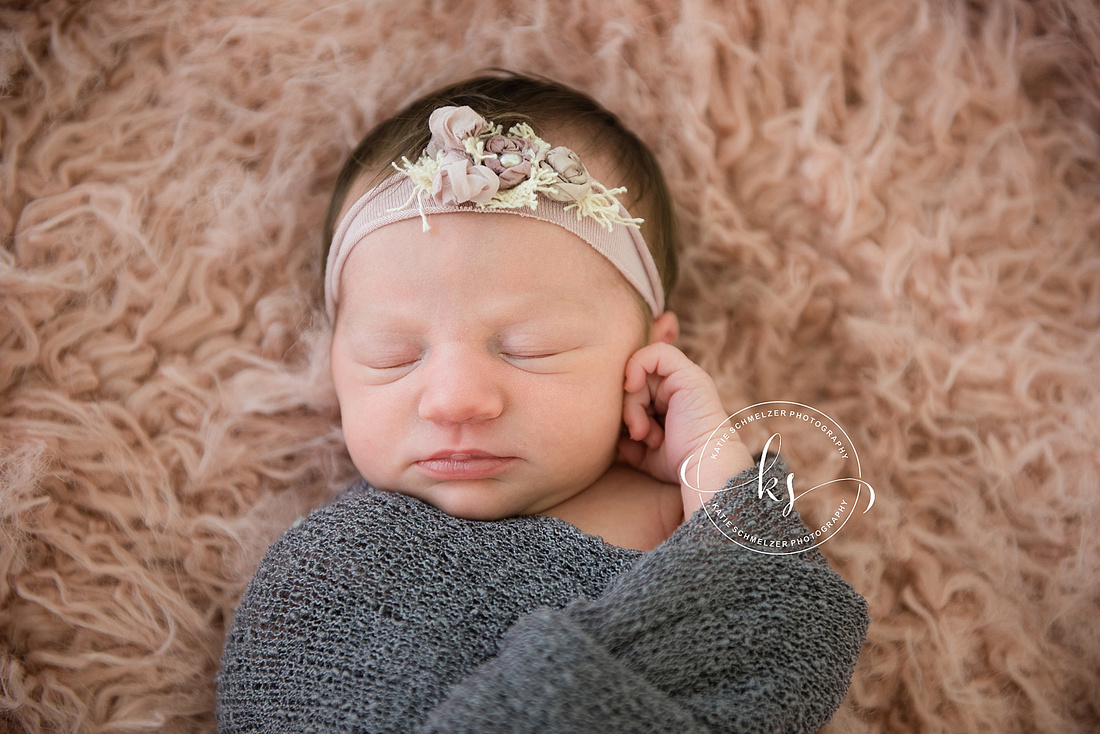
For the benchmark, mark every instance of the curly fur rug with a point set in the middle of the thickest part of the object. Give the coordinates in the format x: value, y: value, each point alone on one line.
x: 891, y: 210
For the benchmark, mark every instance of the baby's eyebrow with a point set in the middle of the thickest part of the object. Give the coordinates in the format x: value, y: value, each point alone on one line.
x: 538, y: 304
x: 378, y: 320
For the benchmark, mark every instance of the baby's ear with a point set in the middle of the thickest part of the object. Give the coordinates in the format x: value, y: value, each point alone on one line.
x: 666, y: 328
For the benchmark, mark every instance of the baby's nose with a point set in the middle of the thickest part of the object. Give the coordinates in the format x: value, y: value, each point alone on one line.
x: 460, y: 388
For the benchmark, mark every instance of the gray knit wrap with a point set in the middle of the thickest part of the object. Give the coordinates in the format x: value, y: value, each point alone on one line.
x: 380, y: 613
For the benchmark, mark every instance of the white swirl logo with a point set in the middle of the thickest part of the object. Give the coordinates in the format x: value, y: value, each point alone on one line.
x: 825, y: 507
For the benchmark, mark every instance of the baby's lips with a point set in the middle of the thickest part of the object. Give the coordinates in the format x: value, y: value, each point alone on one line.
x: 465, y: 464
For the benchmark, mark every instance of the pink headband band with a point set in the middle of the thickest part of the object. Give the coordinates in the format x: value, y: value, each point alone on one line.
x: 623, y: 246
x: 459, y: 172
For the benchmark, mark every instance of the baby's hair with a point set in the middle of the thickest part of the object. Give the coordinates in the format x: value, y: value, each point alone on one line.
x: 507, y: 98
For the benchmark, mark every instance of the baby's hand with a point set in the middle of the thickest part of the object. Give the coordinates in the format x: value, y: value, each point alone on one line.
x: 662, y: 382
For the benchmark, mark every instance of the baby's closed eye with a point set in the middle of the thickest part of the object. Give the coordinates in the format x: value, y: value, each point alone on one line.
x: 392, y: 363
x: 534, y: 352
x: 390, y: 355
x: 537, y: 351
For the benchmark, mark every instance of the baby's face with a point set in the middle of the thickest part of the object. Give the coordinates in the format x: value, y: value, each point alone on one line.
x: 479, y: 365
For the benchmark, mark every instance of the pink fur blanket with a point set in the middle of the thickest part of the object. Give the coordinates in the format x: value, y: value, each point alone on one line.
x: 891, y: 211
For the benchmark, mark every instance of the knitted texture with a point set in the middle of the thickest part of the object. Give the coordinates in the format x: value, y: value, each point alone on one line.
x: 381, y: 613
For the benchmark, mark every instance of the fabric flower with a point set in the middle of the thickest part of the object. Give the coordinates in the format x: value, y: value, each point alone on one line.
x: 574, y: 182
x: 513, y: 159
x: 459, y: 181
x: 451, y: 126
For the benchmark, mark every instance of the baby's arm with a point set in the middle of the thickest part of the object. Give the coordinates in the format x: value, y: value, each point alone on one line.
x: 700, y: 635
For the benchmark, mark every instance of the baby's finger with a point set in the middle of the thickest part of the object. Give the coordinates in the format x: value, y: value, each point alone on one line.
x: 654, y: 359
x: 635, y: 417
x: 659, y: 389
x: 655, y: 436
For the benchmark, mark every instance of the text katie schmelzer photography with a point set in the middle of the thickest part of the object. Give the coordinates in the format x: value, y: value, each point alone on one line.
x: 777, y: 417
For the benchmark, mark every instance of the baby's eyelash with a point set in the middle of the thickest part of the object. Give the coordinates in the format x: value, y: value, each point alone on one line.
x: 392, y: 364
x: 539, y: 355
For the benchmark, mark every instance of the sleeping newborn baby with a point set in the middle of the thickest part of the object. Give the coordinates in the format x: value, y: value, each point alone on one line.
x: 526, y: 550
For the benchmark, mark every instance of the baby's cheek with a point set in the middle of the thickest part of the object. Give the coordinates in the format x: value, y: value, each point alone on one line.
x: 358, y: 446
x: 604, y: 411
x: 367, y: 445
x: 576, y: 407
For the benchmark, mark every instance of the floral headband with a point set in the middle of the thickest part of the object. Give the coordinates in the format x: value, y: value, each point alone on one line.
x: 471, y: 166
